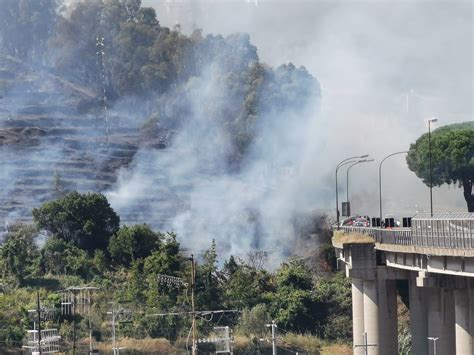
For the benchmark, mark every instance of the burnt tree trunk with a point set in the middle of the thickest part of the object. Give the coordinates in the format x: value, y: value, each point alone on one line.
x: 468, y: 196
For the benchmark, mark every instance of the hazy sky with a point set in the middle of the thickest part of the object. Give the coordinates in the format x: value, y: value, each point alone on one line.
x: 403, y: 45
x: 384, y: 66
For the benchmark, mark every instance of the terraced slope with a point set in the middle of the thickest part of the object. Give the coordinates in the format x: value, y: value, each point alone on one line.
x: 47, y: 145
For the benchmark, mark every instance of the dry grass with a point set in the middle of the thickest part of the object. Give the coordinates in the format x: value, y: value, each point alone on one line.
x: 336, y: 349
x: 241, y: 341
x: 352, y: 238
x: 307, y: 343
x: 147, y: 345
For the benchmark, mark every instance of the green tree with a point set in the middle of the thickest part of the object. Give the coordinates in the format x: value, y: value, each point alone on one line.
x: 244, y: 285
x: 208, y: 287
x: 131, y: 243
x: 59, y: 257
x: 292, y: 305
x: 13, y: 319
x: 334, y: 305
x: 27, y: 25
x: 166, y: 260
x: 85, y: 220
x: 18, y: 253
x: 253, y: 321
x: 452, y: 150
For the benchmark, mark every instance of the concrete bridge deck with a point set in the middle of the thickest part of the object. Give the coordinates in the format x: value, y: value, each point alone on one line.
x: 434, y: 259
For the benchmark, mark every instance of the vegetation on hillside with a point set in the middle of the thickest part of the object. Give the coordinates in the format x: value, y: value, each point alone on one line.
x: 120, y: 47
x: 70, y: 250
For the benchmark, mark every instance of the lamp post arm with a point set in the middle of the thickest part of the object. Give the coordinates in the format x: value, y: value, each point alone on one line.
x: 380, y: 180
x: 347, y: 178
x: 344, y: 162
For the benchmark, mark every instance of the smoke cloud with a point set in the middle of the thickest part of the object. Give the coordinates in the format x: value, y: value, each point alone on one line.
x: 189, y: 188
x: 384, y: 69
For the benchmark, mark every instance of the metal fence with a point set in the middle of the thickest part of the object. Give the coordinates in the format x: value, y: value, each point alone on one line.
x: 447, y: 230
x: 452, y: 231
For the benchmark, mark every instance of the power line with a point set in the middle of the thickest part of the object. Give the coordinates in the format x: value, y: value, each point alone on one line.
x: 190, y: 313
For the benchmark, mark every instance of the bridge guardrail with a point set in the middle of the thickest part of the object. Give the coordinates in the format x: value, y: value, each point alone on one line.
x: 443, y: 230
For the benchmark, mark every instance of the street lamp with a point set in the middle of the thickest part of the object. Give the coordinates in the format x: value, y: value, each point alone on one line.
x: 342, y: 163
x: 433, y: 339
x: 430, y: 121
x: 380, y: 181
x: 347, y: 174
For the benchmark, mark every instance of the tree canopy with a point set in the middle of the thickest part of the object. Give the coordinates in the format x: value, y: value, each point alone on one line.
x: 27, y: 25
x: 452, y: 154
x: 128, y: 268
x: 85, y: 220
x: 120, y: 46
x: 134, y: 242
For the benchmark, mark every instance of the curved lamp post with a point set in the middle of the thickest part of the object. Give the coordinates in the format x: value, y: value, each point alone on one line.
x: 347, y: 174
x: 342, y: 163
x: 380, y: 181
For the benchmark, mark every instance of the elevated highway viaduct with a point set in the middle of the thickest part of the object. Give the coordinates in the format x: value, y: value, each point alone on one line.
x: 434, y: 259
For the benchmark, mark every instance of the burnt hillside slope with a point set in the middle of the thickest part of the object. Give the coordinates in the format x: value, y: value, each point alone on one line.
x: 49, y: 145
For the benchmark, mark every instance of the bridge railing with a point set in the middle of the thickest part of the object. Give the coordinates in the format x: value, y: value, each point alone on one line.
x: 399, y: 236
x: 449, y: 233
x: 442, y: 230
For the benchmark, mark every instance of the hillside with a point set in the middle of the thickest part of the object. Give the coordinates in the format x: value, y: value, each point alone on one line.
x: 47, y: 144
x: 189, y: 133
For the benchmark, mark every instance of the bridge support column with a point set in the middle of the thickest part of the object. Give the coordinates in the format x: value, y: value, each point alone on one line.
x: 371, y: 316
x: 388, y: 320
x: 357, y: 312
x: 449, y: 321
x: 463, y: 330
x: 441, y: 320
x: 418, y: 318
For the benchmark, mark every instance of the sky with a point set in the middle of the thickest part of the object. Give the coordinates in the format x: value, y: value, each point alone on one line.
x: 385, y: 68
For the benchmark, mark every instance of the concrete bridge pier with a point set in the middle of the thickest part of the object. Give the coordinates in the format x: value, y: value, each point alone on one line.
x: 463, y: 317
x: 358, y: 311
x: 418, y: 318
x: 441, y: 321
x: 388, y: 316
x: 371, y: 316
x: 374, y: 311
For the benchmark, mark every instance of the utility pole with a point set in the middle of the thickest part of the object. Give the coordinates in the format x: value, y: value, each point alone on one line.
x: 193, y: 284
x: 38, y: 310
x: 90, y: 331
x: 74, y: 324
x: 434, y: 343
x: 113, y: 330
x: 274, y: 345
x: 119, y: 314
x: 77, y: 300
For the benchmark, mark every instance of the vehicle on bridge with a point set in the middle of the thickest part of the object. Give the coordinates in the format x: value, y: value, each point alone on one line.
x: 356, y: 221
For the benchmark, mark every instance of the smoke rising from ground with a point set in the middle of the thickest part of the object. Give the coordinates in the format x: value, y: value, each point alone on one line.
x: 201, y: 198
x: 384, y: 68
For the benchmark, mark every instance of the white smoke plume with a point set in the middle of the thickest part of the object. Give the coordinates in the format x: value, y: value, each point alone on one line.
x: 384, y: 69
x: 188, y: 187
